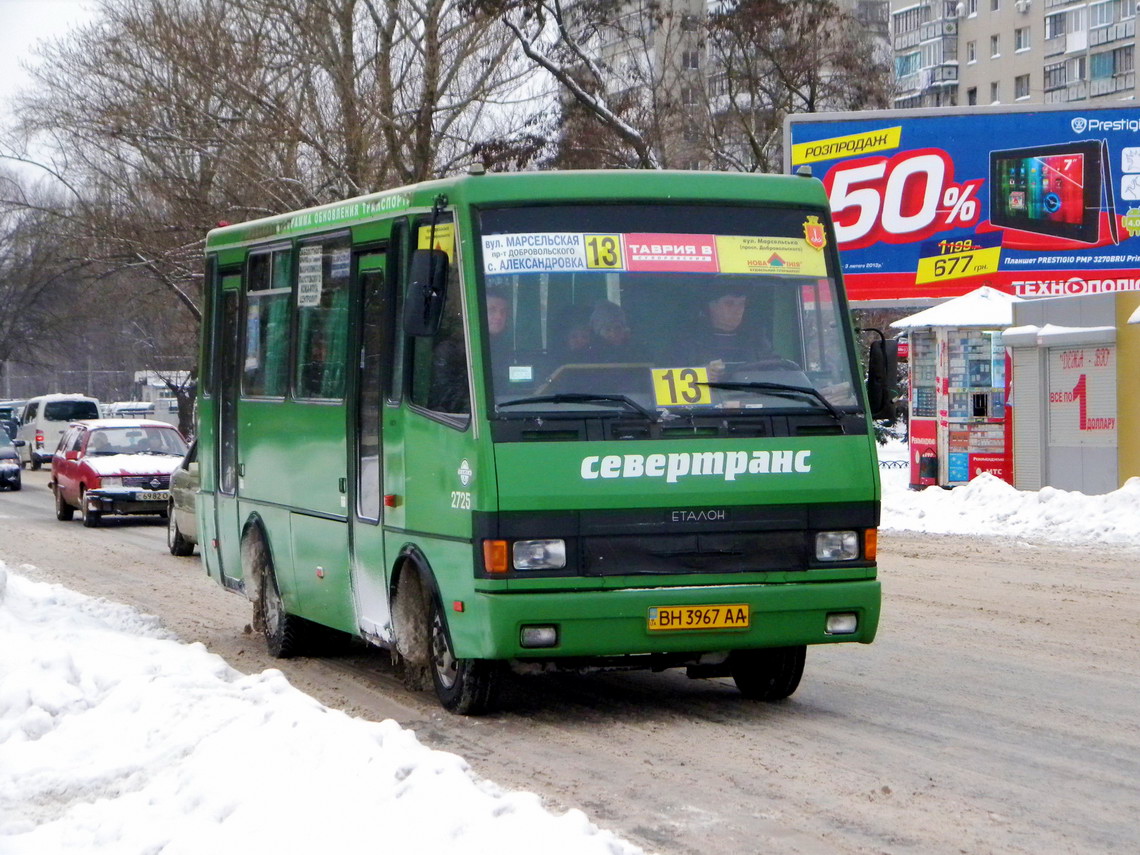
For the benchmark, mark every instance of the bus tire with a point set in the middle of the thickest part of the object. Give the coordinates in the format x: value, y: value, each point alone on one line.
x: 463, y: 686
x: 285, y: 634
x: 63, y: 511
x: 771, y: 674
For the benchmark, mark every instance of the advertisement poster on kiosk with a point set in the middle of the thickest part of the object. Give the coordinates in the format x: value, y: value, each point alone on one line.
x: 930, y: 204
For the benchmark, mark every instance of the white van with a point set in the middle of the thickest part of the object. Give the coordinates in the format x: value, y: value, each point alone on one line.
x: 43, y: 421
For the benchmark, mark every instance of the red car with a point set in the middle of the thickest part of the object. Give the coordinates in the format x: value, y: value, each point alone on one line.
x: 114, y: 466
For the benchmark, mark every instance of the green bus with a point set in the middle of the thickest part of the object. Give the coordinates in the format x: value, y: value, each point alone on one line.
x: 579, y: 420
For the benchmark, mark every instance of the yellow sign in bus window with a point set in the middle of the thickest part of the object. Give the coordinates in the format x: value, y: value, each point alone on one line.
x: 681, y: 387
x: 444, y: 238
x: 603, y: 252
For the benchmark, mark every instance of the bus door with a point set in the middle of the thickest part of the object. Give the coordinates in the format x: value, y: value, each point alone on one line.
x: 228, y: 372
x: 373, y: 303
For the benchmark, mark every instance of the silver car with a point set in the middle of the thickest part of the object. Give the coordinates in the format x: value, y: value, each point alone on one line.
x: 182, y: 526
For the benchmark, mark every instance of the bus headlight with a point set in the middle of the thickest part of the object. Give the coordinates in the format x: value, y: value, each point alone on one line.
x: 836, y: 546
x: 539, y: 554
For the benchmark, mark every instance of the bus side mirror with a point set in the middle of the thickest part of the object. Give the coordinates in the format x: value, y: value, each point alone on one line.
x: 882, y: 374
x: 427, y: 290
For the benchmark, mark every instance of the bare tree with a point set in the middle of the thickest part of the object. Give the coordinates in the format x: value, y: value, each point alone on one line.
x: 36, y: 286
x: 657, y: 83
x: 771, y: 58
x: 613, y: 61
x: 164, y: 117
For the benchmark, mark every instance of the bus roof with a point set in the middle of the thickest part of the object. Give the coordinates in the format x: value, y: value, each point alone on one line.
x: 529, y: 187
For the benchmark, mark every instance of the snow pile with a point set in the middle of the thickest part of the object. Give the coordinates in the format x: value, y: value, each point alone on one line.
x: 116, y: 738
x: 989, y: 507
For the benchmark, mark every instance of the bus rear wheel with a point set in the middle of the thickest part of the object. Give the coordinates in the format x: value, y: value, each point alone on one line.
x: 768, y: 675
x: 464, y: 686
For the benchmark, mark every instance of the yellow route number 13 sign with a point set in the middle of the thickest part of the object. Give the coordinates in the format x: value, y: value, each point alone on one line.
x: 681, y: 387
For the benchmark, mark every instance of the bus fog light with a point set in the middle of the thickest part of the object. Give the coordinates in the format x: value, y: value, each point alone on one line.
x: 842, y: 623
x: 836, y: 546
x: 539, y: 636
x: 539, y: 554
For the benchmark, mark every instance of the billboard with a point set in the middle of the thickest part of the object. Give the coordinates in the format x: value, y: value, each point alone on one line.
x: 929, y: 204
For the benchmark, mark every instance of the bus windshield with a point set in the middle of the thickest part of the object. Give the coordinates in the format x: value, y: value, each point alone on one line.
x: 658, y: 309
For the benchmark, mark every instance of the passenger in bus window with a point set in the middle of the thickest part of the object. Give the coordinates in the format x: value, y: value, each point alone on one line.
x: 500, y: 336
x: 722, y: 338
x: 612, y: 334
x: 572, y: 342
x: 498, y: 314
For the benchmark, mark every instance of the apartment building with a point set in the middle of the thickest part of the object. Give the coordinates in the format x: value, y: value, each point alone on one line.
x: 669, y: 71
x: 965, y: 52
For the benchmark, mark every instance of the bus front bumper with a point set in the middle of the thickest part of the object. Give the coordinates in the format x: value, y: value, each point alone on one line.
x: 616, y: 622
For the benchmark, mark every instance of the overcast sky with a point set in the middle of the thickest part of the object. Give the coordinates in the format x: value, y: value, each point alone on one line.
x: 22, y: 24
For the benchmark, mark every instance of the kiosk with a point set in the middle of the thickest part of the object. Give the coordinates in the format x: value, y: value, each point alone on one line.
x: 958, y: 392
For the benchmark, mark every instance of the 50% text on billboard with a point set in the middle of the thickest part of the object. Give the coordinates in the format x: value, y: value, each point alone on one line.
x: 901, y: 199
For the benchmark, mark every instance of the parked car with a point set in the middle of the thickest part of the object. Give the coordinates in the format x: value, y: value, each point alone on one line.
x: 129, y: 410
x: 45, y: 418
x: 114, y: 466
x: 182, y: 524
x: 9, y: 463
x: 11, y: 409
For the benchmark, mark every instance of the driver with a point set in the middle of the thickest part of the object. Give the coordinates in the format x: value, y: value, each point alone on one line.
x: 721, y: 336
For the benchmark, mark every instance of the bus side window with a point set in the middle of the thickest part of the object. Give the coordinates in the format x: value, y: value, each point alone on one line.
x: 439, y: 364
x: 268, y: 289
x: 322, y: 318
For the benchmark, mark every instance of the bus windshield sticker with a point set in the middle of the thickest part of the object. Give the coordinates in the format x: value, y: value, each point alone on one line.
x: 671, y: 253
x: 444, y: 238
x: 548, y: 252
x: 770, y: 256
x: 309, y: 276
x: 814, y: 233
x: 574, y: 252
x: 681, y: 387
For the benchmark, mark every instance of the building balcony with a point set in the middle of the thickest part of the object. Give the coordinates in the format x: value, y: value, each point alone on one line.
x: 1111, y: 85
x: 1112, y: 33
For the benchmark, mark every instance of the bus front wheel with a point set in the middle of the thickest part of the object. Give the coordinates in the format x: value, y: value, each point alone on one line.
x: 285, y: 634
x: 767, y: 675
x: 464, y: 686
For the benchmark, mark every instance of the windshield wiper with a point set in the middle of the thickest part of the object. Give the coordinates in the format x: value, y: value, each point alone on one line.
x: 782, y: 390
x: 582, y: 398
